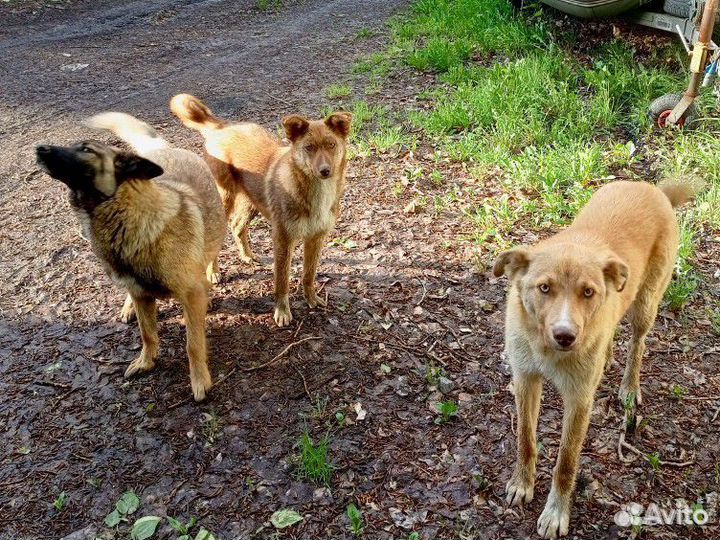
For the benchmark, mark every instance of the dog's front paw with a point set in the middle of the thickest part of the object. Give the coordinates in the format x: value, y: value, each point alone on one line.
x: 250, y: 259
x: 142, y: 363
x: 629, y: 395
x: 519, y: 491
x: 555, y: 519
x: 201, y: 386
x: 282, y: 316
x: 313, y: 300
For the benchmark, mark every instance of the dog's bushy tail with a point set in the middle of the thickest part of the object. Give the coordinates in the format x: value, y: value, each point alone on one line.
x: 142, y: 137
x: 680, y: 191
x: 194, y: 113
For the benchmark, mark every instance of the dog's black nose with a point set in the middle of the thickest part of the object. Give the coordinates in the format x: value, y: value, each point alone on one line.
x: 325, y: 171
x: 43, y: 149
x: 564, y: 337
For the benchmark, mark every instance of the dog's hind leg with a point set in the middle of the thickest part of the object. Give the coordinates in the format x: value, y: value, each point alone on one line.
x: 127, y: 313
x: 555, y: 518
x: 146, y: 311
x: 528, y: 389
x: 195, y: 302
x: 213, y: 272
x: 243, y: 213
x: 642, y: 317
x: 311, y: 258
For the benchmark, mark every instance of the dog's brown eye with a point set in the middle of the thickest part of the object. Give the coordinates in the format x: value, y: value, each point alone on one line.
x: 331, y: 145
x: 589, y: 292
x: 309, y: 147
x: 544, y: 288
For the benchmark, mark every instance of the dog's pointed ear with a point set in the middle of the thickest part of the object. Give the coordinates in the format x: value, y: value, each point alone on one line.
x: 511, y: 262
x: 133, y: 167
x: 340, y: 123
x: 616, y: 272
x: 295, y: 126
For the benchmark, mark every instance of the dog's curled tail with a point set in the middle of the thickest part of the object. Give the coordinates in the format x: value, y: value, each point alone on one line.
x: 194, y: 113
x: 141, y: 136
x: 680, y: 191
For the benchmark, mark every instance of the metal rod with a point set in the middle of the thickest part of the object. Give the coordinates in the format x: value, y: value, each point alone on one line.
x: 682, y: 38
x: 708, y: 21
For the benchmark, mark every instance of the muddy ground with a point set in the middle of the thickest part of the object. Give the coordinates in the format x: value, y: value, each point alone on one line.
x: 404, y: 293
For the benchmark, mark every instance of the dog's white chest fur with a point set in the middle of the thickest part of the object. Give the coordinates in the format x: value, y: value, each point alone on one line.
x: 321, y: 218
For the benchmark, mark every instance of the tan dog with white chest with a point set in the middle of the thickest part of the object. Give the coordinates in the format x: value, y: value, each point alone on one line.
x: 567, y: 295
x: 297, y: 188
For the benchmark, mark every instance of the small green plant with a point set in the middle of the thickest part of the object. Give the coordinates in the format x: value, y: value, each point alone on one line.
x: 448, y: 410
x: 432, y: 374
x: 144, y: 527
x: 364, y: 33
x: 715, y: 321
x: 60, y: 501
x: 482, y: 480
x: 265, y: 5
x: 183, y: 529
x: 356, y: 521
x: 284, y: 518
x: 436, y: 177
x: 313, y: 461
x: 678, y: 392
x: 630, y: 407
x: 337, y: 91
x: 637, y: 530
x: 654, y: 461
x: 686, y: 281
x: 126, y: 505
x: 414, y: 536
x: 340, y: 418
x: 319, y: 406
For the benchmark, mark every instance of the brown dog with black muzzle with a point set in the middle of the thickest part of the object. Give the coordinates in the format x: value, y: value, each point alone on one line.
x: 567, y: 295
x: 155, y: 221
x: 297, y: 188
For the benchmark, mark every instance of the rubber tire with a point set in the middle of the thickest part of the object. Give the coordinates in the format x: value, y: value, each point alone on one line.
x: 679, y: 8
x: 667, y: 103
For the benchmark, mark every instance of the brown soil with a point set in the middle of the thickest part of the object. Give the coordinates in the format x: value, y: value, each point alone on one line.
x: 403, y: 291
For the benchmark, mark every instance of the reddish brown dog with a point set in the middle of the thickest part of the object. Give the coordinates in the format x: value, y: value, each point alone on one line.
x: 297, y: 188
x: 567, y: 295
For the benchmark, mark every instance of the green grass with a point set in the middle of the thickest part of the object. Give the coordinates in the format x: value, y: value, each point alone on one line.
x: 60, y: 501
x: 540, y: 125
x: 265, y: 5
x: 337, y: 91
x: 356, y: 520
x: 313, y: 461
x: 654, y: 461
x: 686, y: 280
x: 364, y: 33
x: 448, y: 410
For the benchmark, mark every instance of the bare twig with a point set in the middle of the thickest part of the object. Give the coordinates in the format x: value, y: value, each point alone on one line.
x: 280, y: 355
x: 424, y: 294
x: 622, y: 443
x: 303, y: 380
x: 278, y: 99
